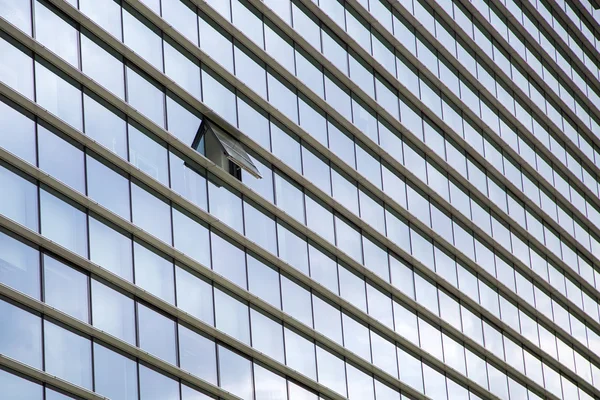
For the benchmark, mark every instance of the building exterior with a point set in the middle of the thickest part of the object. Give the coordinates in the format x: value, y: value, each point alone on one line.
x: 298, y: 200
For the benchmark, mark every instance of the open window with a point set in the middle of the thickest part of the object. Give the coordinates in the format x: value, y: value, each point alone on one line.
x: 224, y: 150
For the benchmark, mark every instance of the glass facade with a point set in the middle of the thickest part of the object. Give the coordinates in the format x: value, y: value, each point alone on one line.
x: 422, y: 222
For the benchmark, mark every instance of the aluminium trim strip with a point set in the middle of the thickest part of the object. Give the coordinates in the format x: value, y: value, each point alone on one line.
x: 186, y: 150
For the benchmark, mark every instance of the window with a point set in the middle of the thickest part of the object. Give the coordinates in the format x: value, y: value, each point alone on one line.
x: 16, y: 67
x: 225, y: 203
x: 194, y: 295
x: 151, y: 213
x: 61, y: 159
x: 113, y: 312
x: 17, y: 131
x: 154, y: 272
x: 115, y: 376
x: 224, y: 150
x: 58, y: 94
x: 263, y: 281
x: 20, y: 200
x: 104, y: 124
x: 15, y: 387
x: 21, y: 335
x: 17, y: 13
x: 232, y: 316
x: 157, y: 334
x: 111, y: 249
x: 103, y: 65
x: 108, y: 187
x: 296, y: 301
x: 267, y: 335
x: 190, y: 236
x: 148, y: 154
x: 356, y: 337
x: 63, y: 223
x: 182, y: 67
x: 105, y: 13
x: 292, y: 248
x: 331, y: 371
x: 66, y: 288
x: 328, y: 319
x: 188, y: 181
x: 228, y: 259
x: 235, y: 373
x: 300, y: 353
x: 19, y: 266
x: 360, y: 385
x: 143, y: 38
x: 145, y: 96
x: 268, y: 385
x: 197, y: 354
x: 56, y: 34
x: 68, y: 355
x: 156, y: 386
x: 260, y: 226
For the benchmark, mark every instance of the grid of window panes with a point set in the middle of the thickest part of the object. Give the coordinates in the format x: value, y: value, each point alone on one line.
x: 437, y: 185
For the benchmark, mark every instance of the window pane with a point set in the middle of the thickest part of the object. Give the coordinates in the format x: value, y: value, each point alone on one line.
x: 113, y: 312
x: 260, y: 227
x: 61, y: 159
x: 228, y: 259
x: 101, y: 64
x: 15, y: 387
x: 56, y: 34
x: 182, y: 15
x: 182, y: 68
x: 218, y: 95
x: 115, y: 376
x: 151, y: 213
x: 263, y: 281
x: 58, y: 94
x: 225, y: 204
x: 145, y: 96
x: 191, y: 237
x: 16, y: 66
x: 17, y: 132
x: 267, y: 335
x: 235, y: 373
x: 157, y: 334
x: 154, y: 273
x: 300, y: 353
x: 111, y: 249
x: 19, y: 202
x: 198, y: 354
x: 194, y: 295
x: 66, y: 288
x: 148, y: 154
x: 292, y: 248
x: 63, y: 223
x: 232, y: 316
x: 188, y: 182
x: 156, y: 386
x: 331, y: 371
x: 21, y: 335
x: 19, y: 266
x: 106, y: 13
x: 18, y: 13
x: 108, y: 187
x: 104, y: 125
x: 68, y: 355
x: 143, y: 38
x: 296, y: 301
